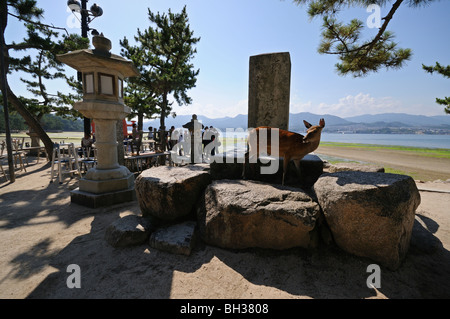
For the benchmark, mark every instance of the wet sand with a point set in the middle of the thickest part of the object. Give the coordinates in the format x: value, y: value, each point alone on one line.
x: 419, y: 167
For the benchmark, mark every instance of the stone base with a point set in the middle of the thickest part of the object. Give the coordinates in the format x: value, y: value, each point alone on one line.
x: 106, y: 186
x: 101, y: 200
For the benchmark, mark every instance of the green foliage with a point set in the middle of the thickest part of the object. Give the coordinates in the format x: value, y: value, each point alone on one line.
x: 163, y: 57
x: 138, y: 95
x: 359, y: 57
x: 48, y: 122
x: 46, y: 44
x: 445, y: 72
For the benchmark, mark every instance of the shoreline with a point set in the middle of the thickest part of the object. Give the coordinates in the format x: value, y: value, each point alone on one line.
x: 420, y: 167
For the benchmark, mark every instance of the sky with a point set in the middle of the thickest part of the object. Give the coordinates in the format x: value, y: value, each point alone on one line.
x: 233, y: 30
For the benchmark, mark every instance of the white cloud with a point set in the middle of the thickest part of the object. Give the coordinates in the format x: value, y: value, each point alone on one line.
x: 362, y: 103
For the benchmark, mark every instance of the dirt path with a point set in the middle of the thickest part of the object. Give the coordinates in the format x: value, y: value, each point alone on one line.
x: 42, y: 233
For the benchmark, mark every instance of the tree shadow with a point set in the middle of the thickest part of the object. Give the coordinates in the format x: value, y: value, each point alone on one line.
x: 47, y: 205
x: 32, y: 262
x: 114, y: 273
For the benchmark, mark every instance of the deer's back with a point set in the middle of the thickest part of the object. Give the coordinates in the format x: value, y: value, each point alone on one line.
x: 287, y: 140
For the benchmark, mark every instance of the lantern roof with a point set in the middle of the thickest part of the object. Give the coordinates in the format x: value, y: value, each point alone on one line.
x: 100, y: 57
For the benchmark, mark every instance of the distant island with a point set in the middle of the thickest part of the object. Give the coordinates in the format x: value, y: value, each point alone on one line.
x: 386, y: 123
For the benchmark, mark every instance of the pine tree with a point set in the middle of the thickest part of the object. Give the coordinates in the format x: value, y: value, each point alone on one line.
x: 41, y: 38
x: 164, y: 59
x: 359, y: 57
x: 45, y: 67
x: 444, y: 71
x: 138, y: 95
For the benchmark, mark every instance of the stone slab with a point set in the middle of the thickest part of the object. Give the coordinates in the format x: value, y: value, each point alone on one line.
x: 127, y: 231
x: 176, y: 239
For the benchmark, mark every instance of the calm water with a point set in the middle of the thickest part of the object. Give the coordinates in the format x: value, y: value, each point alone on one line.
x: 413, y: 140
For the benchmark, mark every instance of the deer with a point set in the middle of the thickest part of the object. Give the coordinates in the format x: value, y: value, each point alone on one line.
x: 292, y: 146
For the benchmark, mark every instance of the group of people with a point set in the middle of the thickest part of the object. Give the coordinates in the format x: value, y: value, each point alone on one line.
x: 180, y: 136
x: 209, y: 136
x: 155, y: 137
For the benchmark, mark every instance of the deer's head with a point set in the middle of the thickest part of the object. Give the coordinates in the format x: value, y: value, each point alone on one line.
x: 313, y: 133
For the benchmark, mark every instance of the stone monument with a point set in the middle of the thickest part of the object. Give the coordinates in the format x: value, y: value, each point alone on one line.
x: 269, y: 90
x: 103, y: 74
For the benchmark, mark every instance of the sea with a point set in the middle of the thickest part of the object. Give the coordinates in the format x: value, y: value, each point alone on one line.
x: 410, y: 140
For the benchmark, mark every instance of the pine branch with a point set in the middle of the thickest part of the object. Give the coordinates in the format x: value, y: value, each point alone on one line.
x: 39, y: 24
x: 386, y: 19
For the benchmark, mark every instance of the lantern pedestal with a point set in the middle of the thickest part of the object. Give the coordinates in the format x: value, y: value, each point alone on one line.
x: 108, y: 183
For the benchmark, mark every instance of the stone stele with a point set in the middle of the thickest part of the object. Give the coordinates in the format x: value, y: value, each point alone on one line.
x: 269, y: 90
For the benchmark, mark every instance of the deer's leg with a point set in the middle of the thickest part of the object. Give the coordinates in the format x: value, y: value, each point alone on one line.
x: 246, y: 159
x: 297, y: 166
x: 286, y: 161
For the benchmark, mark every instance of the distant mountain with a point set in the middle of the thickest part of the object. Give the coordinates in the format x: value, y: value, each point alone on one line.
x: 379, y: 123
x: 296, y: 120
x: 240, y: 121
x: 408, y: 119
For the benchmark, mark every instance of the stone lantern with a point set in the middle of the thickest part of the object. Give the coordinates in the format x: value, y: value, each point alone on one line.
x: 103, y: 74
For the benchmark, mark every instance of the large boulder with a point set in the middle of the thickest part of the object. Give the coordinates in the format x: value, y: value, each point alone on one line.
x: 370, y: 214
x: 170, y: 193
x: 241, y: 214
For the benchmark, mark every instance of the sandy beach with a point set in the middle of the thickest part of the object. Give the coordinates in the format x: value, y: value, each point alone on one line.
x: 42, y: 233
x: 419, y: 167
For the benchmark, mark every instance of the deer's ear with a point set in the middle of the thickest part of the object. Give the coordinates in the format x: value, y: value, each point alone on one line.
x: 322, y: 123
x: 308, y: 125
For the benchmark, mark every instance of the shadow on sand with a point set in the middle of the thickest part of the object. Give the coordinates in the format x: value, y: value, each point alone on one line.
x: 328, y: 272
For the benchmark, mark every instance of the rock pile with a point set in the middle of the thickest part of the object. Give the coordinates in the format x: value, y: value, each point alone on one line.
x: 369, y: 214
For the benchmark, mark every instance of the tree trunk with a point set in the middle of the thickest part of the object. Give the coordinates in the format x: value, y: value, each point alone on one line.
x: 140, y: 124
x: 162, y: 121
x: 26, y: 115
x: 32, y: 122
